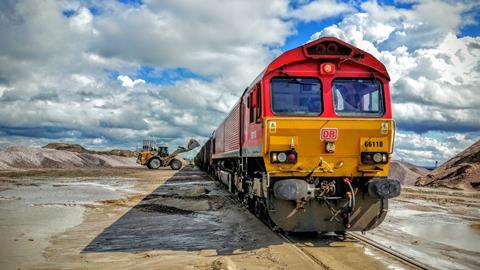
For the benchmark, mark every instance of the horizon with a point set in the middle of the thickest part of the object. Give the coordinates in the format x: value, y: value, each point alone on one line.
x: 106, y: 75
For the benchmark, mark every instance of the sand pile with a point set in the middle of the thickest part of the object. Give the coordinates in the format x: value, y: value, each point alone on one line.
x: 460, y: 172
x: 405, y: 172
x: 20, y: 158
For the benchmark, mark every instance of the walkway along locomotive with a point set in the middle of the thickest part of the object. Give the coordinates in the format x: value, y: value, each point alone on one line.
x: 308, y: 145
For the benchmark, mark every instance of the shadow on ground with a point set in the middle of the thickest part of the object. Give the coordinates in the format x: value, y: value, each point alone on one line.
x: 189, y: 212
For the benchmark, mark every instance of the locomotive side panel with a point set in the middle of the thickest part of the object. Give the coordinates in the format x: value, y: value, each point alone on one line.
x: 226, y: 140
x: 232, y: 128
x: 218, y: 141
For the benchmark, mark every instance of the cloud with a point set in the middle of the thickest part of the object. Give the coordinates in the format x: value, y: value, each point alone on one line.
x: 425, y: 150
x: 319, y: 9
x: 127, y: 82
x: 212, y: 41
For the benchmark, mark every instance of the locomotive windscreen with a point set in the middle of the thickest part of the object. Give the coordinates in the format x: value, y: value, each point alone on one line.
x: 357, y: 97
x: 296, y: 96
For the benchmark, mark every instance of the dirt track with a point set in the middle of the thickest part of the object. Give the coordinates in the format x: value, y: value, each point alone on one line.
x: 137, y: 219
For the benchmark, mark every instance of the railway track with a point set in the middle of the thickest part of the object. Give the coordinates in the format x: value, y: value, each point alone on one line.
x: 305, y: 253
x: 397, y: 255
x: 412, y: 263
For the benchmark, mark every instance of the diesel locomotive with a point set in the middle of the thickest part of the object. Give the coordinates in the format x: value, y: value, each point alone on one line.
x: 308, y: 145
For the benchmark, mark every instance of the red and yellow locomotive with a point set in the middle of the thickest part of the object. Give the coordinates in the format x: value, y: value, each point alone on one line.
x: 308, y: 145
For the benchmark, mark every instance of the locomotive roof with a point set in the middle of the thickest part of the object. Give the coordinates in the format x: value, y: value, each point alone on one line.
x: 319, y: 49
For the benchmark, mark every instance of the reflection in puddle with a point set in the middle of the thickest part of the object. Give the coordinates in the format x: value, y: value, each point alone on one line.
x: 459, y: 235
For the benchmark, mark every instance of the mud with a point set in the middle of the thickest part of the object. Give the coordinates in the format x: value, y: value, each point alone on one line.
x: 164, y: 209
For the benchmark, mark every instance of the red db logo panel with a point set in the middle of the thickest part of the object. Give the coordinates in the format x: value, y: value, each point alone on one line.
x: 329, y: 134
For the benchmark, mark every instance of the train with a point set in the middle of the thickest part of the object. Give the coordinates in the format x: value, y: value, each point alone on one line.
x: 307, y: 147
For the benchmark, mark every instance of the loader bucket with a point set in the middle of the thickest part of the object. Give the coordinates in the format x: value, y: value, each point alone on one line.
x: 192, y: 144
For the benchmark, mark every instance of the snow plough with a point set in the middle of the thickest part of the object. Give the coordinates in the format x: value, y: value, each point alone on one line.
x: 154, y: 156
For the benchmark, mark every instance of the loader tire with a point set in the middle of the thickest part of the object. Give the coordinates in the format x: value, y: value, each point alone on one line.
x: 175, y: 164
x: 154, y: 163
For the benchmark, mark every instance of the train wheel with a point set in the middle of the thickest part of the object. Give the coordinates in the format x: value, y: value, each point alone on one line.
x: 154, y: 163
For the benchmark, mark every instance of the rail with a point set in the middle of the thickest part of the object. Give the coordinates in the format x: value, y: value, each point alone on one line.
x: 399, y: 256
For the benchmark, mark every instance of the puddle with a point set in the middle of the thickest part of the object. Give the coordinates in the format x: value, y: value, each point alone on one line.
x: 432, y: 234
x: 80, y: 192
x: 459, y: 235
x: 38, y: 208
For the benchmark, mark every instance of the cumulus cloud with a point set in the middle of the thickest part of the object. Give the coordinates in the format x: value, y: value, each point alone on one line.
x: 211, y: 41
x: 127, y: 82
x: 319, y: 9
x: 425, y: 150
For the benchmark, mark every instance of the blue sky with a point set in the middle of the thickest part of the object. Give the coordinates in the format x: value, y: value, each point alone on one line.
x: 106, y: 74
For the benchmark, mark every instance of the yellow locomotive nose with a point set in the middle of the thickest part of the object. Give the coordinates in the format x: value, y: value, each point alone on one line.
x: 355, y: 141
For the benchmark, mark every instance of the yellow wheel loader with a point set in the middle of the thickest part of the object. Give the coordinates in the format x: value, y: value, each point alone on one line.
x: 154, y: 156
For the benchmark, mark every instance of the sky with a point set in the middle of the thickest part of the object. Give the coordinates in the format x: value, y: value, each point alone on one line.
x: 106, y: 74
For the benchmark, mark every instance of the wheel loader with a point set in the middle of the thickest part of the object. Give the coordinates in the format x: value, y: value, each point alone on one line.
x: 154, y: 156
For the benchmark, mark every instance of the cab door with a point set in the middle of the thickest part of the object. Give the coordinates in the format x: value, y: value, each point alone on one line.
x: 252, y: 122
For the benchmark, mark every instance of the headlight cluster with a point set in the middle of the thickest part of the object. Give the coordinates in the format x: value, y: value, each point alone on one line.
x: 374, y: 157
x: 283, y: 157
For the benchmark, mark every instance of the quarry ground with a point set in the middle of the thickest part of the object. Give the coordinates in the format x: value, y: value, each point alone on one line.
x: 163, y: 219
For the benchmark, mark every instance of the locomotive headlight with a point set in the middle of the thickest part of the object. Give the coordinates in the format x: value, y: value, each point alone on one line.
x: 289, y: 156
x: 378, y: 157
x: 282, y: 157
x: 374, y: 157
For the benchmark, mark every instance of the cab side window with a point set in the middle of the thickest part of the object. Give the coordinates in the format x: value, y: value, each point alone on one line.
x: 255, y: 104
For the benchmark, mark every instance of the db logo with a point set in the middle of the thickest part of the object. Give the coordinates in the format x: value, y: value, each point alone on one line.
x: 329, y: 134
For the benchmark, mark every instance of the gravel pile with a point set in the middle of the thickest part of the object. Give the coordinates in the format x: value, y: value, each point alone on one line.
x: 24, y: 158
x: 405, y: 172
x: 460, y: 172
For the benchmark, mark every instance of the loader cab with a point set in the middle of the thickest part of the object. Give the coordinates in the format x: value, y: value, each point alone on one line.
x: 151, y: 145
x: 162, y: 151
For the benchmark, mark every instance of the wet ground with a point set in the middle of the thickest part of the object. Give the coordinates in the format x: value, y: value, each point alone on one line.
x: 137, y: 219
x: 132, y: 220
x: 442, y: 232
x: 33, y: 210
x: 186, y: 213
